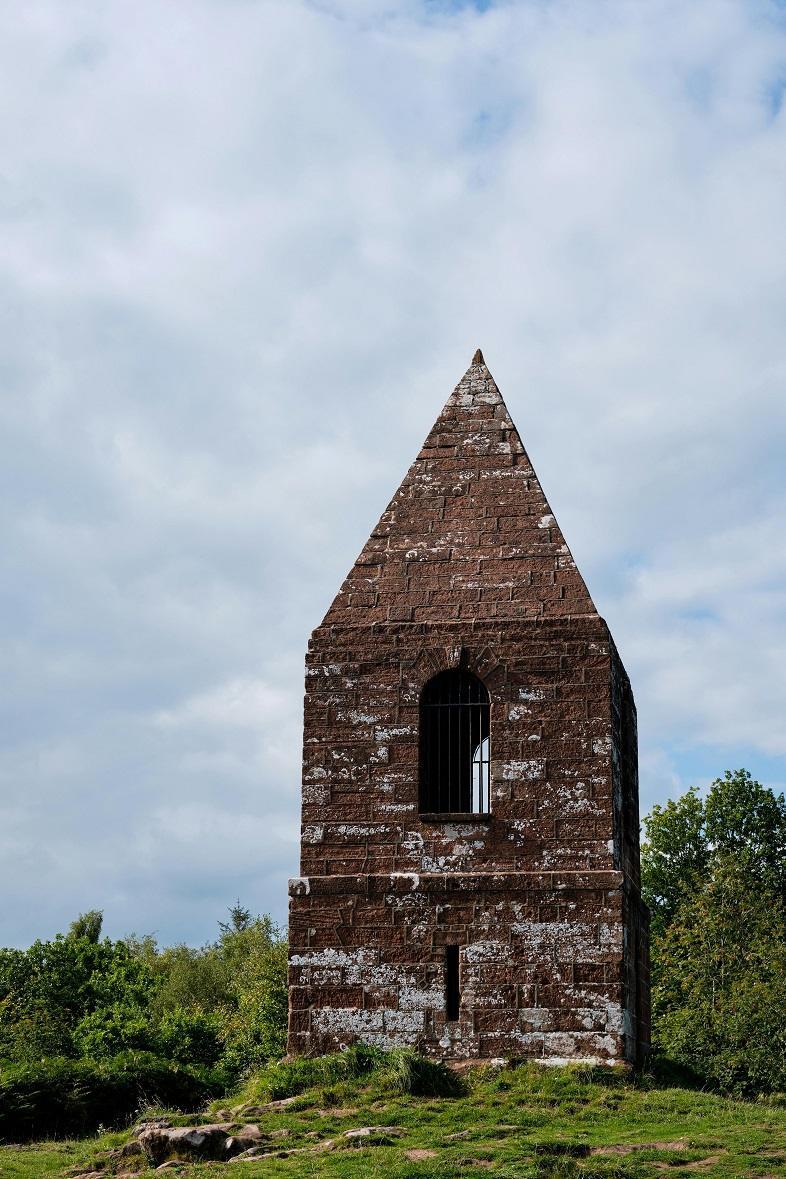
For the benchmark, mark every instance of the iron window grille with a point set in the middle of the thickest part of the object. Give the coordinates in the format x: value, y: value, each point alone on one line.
x: 454, y: 745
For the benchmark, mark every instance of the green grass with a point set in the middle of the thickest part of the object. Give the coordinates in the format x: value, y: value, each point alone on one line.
x: 517, y: 1123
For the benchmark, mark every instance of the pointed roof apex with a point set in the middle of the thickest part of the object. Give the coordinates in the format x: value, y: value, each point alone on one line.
x: 469, y: 536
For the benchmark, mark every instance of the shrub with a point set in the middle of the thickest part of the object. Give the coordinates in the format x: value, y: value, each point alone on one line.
x: 190, y: 1037
x: 289, y: 1078
x: 406, y: 1072
x: 60, y: 1097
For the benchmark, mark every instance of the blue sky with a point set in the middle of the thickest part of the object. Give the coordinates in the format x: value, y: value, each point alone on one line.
x: 248, y: 249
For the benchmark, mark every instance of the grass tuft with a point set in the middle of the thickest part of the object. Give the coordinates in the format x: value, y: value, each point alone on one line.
x: 406, y: 1072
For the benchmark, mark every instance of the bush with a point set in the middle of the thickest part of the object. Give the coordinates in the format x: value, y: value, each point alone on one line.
x: 60, y: 1097
x: 406, y: 1072
x: 289, y: 1078
x: 190, y: 1037
x: 399, y: 1071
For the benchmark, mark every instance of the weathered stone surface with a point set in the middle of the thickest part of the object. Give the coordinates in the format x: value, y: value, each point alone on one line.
x: 184, y: 1142
x: 373, y: 1135
x: 468, y: 567
x: 150, y: 1124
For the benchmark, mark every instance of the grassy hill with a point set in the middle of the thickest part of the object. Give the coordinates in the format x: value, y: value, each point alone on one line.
x: 508, y: 1122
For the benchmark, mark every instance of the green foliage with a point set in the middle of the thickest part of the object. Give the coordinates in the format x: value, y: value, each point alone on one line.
x: 87, y: 926
x: 108, y: 1031
x: 674, y: 855
x: 719, y: 993
x: 255, y: 1017
x: 406, y: 1072
x: 685, y: 839
x: 190, y: 1036
x: 47, y: 991
x: 399, y: 1072
x: 59, y: 1096
x: 86, y: 998
x: 714, y: 875
x: 511, y: 1124
x: 291, y: 1077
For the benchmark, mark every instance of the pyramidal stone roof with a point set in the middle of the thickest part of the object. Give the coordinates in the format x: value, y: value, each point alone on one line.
x: 469, y: 535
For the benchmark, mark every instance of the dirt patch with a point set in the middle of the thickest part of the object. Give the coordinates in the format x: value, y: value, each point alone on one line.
x: 419, y: 1155
x: 633, y: 1146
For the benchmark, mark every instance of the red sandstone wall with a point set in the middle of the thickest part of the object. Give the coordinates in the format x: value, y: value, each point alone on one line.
x: 551, y: 743
x: 540, y: 954
x: 529, y: 892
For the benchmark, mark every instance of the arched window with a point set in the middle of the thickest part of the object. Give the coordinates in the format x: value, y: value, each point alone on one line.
x: 454, y: 745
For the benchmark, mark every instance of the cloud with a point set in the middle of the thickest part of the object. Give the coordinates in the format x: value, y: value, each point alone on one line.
x: 248, y: 249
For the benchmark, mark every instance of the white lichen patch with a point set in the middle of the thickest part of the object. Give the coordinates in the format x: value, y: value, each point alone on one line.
x: 539, y: 1018
x: 313, y: 833
x: 571, y: 800
x: 558, y: 939
x: 360, y: 830
x: 336, y: 959
x: 456, y: 858
x: 546, y: 521
x: 357, y: 716
x: 316, y: 794
x: 411, y: 878
x: 563, y: 1044
x: 412, y: 843
x: 488, y: 951
x: 463, y: 830
x: 610, y: 935
x: 518, y: 712
x: 394, y: 733
x: 529, y: 769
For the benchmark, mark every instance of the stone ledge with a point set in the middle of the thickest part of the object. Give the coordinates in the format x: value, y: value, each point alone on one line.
x: 403, y: 882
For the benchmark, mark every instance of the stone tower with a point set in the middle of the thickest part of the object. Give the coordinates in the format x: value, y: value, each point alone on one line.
x: 470, y: 858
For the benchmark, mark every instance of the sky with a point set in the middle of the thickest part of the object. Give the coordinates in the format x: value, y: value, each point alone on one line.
x: 248, y: 249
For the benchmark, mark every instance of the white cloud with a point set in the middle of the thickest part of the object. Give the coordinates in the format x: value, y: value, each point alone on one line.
x: 248, y: 249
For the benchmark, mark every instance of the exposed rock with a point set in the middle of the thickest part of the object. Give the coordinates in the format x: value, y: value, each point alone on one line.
x: 373, y: 1135
x: 259, y: 1152
x: 127, y: 1150
x: 150, y: 1124
x: 190, y: 1143
x: 243, y: 1139
x: 254, y: 1152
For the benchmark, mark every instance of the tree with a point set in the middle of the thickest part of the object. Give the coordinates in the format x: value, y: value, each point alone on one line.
x: 87, y: 926
x: 685, y: 839
x: 719, y: 983
x: 714, y: 877
x: 48, y: 991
